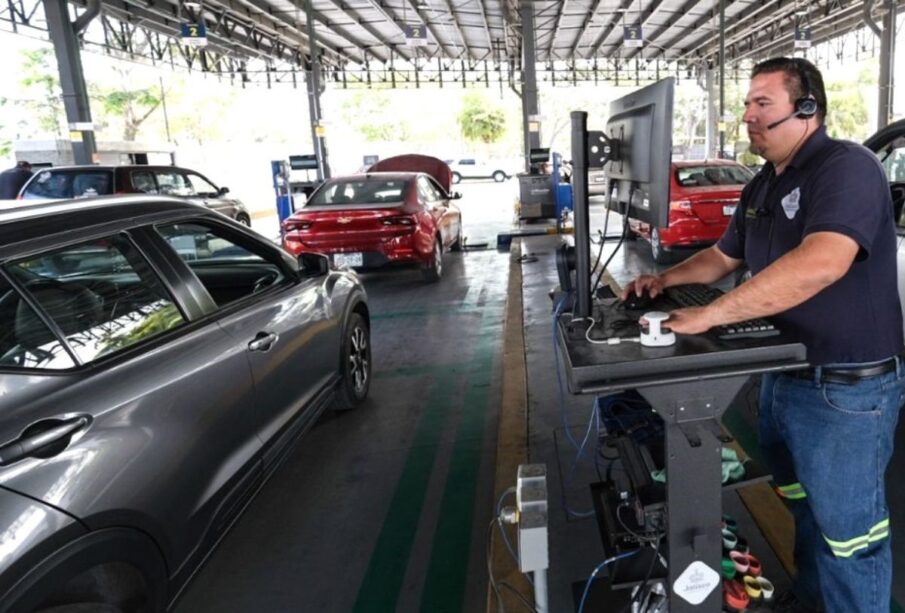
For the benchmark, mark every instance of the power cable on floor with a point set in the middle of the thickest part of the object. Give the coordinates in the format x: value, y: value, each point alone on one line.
x: 587, y: 585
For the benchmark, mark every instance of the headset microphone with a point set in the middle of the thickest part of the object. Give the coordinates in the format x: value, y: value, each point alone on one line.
x: 782, y: 121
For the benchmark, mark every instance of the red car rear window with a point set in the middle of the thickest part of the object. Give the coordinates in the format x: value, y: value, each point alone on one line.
x: 699, y: 176
x: 361, y: 191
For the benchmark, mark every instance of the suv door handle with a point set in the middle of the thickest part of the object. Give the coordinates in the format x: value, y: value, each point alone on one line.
x: 263, y: 341
x: 39, y: 435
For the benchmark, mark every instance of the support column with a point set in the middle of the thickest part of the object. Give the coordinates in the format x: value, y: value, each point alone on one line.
x: 529, y: 81
x: 721, y: 122
x: 711, y: 141
x: 887, y: 65
x: 64, y: 35
x: 315, y: 89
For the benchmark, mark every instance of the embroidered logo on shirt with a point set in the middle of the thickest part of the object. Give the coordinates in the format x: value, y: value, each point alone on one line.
x: 790, y: 203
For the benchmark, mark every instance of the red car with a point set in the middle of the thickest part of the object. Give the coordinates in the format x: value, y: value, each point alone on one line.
x: 703, y: 196
x: 378, y: 218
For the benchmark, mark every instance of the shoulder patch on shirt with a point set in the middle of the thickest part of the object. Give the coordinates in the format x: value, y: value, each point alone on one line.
x: 790, y: 203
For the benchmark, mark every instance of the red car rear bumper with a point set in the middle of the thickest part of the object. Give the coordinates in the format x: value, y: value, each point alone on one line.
x: 408, y: 248
x: 691, y: 232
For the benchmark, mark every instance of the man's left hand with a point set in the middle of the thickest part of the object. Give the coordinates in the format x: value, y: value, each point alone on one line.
x: 693, y: 320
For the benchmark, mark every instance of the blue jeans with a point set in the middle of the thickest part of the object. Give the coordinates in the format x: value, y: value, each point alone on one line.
x: 828, y: 445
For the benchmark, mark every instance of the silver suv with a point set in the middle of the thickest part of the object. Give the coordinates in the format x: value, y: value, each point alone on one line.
x: 157, y: 362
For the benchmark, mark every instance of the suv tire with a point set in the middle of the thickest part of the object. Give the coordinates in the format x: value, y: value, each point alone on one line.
x: 356, y: 365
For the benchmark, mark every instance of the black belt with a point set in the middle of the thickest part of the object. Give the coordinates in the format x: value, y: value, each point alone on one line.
x: 847, y: 376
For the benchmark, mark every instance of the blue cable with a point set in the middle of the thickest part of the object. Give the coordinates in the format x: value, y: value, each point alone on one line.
x: 584, y: 442
x: 562, y: 402
x: 587, y: 585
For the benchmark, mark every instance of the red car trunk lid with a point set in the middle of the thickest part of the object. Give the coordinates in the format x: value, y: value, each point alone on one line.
x: 359, y: 222
x: 712, y: 204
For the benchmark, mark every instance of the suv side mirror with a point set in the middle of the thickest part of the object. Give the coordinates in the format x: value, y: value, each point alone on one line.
x: 223, y: 191
x: 455, y: 196
x: 313, y: 264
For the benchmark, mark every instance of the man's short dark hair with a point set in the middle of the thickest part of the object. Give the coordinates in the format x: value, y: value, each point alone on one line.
x: 802, y: 78
x: 23, y: 164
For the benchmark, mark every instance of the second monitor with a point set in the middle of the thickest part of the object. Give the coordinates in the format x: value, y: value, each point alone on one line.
x: 640, y: 128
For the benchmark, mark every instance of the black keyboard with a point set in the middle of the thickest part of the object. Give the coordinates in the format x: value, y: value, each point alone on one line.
x: 701, y: 295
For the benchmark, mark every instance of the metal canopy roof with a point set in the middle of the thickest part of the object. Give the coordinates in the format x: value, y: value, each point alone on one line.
x: 365, y: 39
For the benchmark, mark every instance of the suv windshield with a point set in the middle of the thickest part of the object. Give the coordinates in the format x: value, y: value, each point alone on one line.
x: 69, y: 184
x: 695, y: 176
x: 360, y: 191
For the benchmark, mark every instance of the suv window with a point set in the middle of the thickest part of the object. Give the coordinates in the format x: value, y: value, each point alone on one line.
x: 25, y: 340
x: 173, y: 183
x: 229, y: 268
x: 101, y: 295
x: 893, y: 159
x: 202, y: 186
x: 143, y: 181
x: 70, y: 184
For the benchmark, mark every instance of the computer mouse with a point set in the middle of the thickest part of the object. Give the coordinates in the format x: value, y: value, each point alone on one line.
x: 633, y: 302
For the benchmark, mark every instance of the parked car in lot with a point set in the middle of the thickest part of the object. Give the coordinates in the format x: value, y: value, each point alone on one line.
x: 474, y: 168
x: 597, y: 182
x: 379, y: 218
x: 64, y: 182
x: 157, y: 362
x: 703, y: 196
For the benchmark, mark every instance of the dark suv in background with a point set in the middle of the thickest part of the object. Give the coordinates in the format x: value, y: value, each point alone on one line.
x: 64, y: 182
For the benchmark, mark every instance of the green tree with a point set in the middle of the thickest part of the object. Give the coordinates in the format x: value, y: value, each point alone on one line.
x: 132, y: 105
x: 481, y: 121
x: 40, y: 70
x: 375, y: 117
x: 847, y: 108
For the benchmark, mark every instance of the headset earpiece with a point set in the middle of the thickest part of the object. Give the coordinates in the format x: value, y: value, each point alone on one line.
x: 805, y: 108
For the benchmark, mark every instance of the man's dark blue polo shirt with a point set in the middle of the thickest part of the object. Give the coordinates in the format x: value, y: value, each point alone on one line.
x: 829, y: 186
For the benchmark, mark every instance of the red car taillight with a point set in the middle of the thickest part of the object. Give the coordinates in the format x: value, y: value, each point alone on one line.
x: 294, y: 224
x: 402, y: 220
x: 680, y: 205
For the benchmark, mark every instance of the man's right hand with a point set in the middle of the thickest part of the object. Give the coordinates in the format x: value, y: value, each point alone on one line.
x: 652, y: 283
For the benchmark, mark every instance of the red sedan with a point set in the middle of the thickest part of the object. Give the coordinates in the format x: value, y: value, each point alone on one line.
x: 378, y: 218
x: 703, y: 196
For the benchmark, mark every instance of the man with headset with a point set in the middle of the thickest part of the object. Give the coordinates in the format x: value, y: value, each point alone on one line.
x: 815, y: 228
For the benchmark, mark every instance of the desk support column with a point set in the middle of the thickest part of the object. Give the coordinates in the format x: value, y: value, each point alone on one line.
x: 691, y: 412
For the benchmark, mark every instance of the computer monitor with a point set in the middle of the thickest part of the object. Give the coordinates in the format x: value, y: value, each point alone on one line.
x: 538, y: 156
x: 640, y: 125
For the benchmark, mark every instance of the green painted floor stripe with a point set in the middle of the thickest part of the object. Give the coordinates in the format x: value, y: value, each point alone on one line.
x: 444, y: 586
x: 421, y: 371
x: 380, y: 587
x: 432, y: 312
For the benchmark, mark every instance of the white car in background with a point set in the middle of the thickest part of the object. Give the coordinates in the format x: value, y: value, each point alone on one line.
x: 475, y: 168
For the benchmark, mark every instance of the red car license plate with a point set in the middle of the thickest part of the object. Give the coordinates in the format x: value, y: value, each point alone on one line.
x: 347, y: 259
x: 729, y: 209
